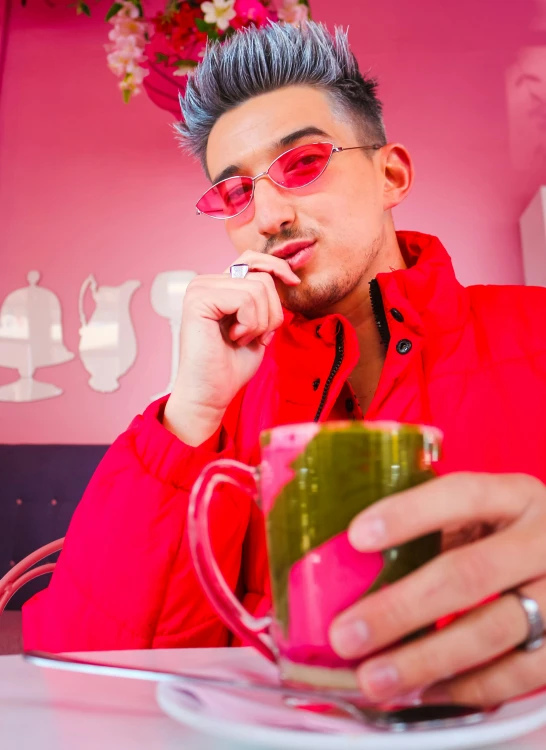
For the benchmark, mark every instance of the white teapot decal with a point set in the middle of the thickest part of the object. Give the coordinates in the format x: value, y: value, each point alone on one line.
x: 108, y: 345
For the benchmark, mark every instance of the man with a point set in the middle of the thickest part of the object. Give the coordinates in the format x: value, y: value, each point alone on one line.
x: 374, y: 324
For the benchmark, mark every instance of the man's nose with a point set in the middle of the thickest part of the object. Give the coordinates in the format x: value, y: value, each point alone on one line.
x: 273, y: 208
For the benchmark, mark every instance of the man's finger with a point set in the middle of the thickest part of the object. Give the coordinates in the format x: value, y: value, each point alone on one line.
x: 268, y: 264
x: 455, y: 499
x: 477, y: 638
x: 512, y: 676
x: 453, y: 582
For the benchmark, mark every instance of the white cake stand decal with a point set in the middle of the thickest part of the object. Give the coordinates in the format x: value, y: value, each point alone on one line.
x: 31, y: 336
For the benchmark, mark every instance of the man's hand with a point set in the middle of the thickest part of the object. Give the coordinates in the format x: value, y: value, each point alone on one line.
x: 226, y: 324
x: 474, y: 659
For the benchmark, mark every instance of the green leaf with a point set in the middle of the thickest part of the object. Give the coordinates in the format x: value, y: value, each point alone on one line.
x: 180, y: 63
x: 127, y: 95
x: 115, y: 8
x: 83, y: 8
x: 209, y: 28
x: 203, y: 25
x: 161, y: 57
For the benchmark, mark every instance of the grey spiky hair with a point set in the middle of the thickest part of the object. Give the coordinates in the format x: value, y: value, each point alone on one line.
x: 255, y: 61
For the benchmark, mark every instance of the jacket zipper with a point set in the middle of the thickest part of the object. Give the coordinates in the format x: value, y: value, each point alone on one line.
x: 379, y: 313
x: 338, y: 359
x: 382, y: 326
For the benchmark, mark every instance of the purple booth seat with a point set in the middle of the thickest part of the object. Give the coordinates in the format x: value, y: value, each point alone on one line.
x: 40, y: 486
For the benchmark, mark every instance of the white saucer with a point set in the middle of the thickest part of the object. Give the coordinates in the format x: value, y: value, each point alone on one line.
x: 262, y: 720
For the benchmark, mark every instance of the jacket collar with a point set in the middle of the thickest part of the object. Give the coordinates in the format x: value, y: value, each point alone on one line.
x: 427, y: 293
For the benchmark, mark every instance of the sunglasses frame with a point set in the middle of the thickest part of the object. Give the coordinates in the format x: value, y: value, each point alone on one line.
x: 335, y: 150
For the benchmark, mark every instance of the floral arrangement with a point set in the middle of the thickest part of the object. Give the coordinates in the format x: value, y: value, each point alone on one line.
x: 158, y: 52
x: 128, y: 40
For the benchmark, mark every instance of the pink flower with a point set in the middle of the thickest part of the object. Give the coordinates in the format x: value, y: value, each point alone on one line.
x: 251, y: 11
x: 293, y: 12
x: 126, y: 51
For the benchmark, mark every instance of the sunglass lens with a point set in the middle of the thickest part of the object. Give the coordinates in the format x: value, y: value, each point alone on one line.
x: 226, y: 198
x: 301, y: 165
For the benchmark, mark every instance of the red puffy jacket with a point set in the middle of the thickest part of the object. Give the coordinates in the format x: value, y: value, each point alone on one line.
x: 471, y: 361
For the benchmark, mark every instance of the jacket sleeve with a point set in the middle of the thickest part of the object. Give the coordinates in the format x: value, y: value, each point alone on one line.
x: 125, y: 579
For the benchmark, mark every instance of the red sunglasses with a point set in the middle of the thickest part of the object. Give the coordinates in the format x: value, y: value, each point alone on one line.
x: 296, y: 168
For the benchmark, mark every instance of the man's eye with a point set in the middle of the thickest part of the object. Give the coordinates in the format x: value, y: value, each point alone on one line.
x: 235, y: 194
x: 303, y: 162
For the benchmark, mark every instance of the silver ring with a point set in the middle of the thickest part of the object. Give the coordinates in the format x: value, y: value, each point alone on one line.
x: 537, y: 627
x: 239, y: 270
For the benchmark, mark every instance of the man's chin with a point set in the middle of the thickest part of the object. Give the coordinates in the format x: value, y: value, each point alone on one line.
x: 311, y: 302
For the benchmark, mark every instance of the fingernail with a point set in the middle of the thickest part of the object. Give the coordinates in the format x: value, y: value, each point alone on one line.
x: 381, y: 681
x: 367, y: 533
x: 269, y: 338
x: 348, y: 639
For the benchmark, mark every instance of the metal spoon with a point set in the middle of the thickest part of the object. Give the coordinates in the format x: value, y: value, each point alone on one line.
x: 416, y: 717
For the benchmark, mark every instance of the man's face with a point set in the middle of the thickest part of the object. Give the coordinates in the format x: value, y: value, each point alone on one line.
x: 344, y: 211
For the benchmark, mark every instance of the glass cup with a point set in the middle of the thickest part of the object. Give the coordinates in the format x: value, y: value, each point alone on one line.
x: 312, y: 481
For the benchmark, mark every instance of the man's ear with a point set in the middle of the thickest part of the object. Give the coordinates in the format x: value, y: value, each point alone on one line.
x: 398, y: 174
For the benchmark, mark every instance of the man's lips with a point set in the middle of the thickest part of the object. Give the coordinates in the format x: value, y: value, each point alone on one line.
x: 296, y: 254
x: 291, y: 248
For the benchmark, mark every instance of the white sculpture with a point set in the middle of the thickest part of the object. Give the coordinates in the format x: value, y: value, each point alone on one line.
x: 107, y: 340
x: 31, y: 336
x: 168, y: 290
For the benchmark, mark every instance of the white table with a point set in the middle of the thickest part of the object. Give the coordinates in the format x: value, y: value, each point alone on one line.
x: 51, y: 710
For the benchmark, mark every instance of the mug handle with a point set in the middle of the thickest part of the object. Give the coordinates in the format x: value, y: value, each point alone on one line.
x: 224, y: 601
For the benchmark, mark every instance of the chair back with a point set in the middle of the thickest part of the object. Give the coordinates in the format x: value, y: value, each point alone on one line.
x: 24, y: 571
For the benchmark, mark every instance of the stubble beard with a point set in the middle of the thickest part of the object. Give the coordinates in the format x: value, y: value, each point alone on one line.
x: 313, y: 300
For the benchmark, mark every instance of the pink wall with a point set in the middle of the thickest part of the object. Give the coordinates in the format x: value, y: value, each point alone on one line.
x: 88, y: 184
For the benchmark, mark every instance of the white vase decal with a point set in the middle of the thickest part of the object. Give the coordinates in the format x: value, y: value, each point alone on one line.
x: 168, y: 290
x: 108, y: 345
x: 31, y: 336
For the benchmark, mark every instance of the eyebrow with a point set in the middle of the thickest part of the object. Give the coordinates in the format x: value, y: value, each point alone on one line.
x: 284, y: 142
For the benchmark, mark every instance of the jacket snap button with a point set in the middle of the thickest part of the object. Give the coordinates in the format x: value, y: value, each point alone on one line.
x: 403, y: 346
x: 397, y: 315
x: 316, y: 384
